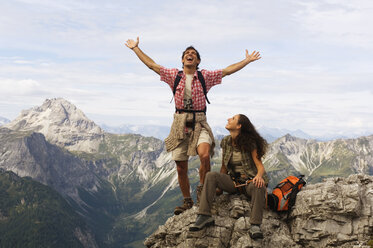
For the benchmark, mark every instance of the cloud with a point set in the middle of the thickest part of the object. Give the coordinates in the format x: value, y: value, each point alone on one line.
x: 24, y: 87
x: 315, y: 67
x: 338, y: 22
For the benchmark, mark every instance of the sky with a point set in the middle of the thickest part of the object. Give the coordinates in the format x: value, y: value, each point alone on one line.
x: 315, y: 73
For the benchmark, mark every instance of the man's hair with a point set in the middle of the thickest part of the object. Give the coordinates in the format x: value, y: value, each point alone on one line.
x: 189, y: 48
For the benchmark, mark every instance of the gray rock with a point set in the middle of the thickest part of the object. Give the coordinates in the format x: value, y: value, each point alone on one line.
x: 335, y: 213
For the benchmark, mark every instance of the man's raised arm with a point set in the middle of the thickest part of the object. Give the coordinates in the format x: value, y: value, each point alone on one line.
x: 238, y: 66
x: 134, y: 46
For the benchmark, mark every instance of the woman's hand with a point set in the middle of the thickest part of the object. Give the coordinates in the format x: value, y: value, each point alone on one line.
x: 258, y: 181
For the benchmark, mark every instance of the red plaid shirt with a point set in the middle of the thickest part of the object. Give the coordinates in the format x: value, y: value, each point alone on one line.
x: 212, y: 78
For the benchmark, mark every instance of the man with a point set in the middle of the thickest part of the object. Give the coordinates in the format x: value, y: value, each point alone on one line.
x: 190, y: 134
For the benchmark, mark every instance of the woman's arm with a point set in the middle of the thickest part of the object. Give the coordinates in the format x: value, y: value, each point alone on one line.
x: 258, y: 179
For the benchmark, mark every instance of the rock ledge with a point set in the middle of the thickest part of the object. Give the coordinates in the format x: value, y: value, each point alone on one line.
x: 335, y: 213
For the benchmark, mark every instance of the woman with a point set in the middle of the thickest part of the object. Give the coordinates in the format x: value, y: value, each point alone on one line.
x: 243, y: 150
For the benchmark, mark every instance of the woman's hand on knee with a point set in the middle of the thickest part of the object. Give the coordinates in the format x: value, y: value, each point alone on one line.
x: 258, y: 181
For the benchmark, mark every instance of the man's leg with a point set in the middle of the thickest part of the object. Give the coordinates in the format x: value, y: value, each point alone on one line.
x: 179, y: 155
x: 182, y: 177
x: 203, y: 151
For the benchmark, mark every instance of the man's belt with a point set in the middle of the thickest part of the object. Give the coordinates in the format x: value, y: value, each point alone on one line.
x: 190, y: 124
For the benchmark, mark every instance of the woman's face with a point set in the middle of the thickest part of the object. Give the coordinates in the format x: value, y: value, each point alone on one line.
x: 233, y: 123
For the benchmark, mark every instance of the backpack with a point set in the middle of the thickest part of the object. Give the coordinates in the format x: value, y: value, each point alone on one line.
x: 284, y: 194
x: 200, y: 78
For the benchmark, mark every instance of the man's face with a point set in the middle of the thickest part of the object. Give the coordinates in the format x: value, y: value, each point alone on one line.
x: 190, y: 58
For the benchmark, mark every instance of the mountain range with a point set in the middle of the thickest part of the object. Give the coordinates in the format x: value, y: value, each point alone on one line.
x: 161, y: 132
x: 269, y: 133
x: 125, y: 185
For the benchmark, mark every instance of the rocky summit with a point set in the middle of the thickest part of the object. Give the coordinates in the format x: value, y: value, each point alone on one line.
x: 335, y: 213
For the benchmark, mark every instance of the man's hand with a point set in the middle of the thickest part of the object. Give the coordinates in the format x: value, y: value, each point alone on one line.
x: 238, y: 66
x: 253, y: 56
x: 142, y: 56
x: 132, y: 44
x: 258, y: 181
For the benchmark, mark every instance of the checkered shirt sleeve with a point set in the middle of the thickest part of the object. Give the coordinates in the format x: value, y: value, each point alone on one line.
x: 212, y: 78
x: 168, y: 76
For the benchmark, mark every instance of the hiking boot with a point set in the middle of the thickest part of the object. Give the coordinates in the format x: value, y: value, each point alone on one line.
x: 199, y: 192
x: 201, y: 222
x: 188, y: 203
x: 255, y: 232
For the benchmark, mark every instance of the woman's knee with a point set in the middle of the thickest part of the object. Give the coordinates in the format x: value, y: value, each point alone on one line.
x: 211, y: 174
x: 260, y: 191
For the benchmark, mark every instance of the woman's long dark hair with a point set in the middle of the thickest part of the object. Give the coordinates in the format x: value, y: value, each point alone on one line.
x: 249, y: 139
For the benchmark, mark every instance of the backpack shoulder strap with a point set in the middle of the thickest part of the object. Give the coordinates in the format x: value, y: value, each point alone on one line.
x: 293, y: 195
x: 200, y: 78
x: 177, y: 81
x: 203, y: 83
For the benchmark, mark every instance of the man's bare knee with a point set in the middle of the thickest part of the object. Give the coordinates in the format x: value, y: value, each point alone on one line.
x: 181, y: 167
x: 205, y: 157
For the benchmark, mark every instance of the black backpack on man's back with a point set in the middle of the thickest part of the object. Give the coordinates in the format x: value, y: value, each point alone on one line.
x: 200, y: 78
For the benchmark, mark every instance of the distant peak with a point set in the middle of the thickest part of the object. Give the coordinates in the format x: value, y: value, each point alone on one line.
x: 55, y: 112
x: 288, y: 137
x: 55, y: 100
x: 58, y: 102
x: 62, y: 123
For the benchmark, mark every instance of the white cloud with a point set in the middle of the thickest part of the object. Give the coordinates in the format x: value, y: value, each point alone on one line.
x: 24, y: 87
x: 315, y: 70
x: 338, y: 22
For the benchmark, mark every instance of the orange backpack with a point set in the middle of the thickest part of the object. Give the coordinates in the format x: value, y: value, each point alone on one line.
x: 284, y: 194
